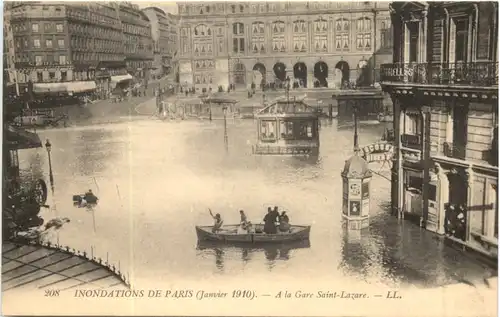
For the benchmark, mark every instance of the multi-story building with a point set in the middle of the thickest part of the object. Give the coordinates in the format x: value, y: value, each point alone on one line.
x: 137, y: 40
x: 173, y: 39
x: 316, y: 43
x: 444, y: 87
x: 164, y: 44
x: 66, y: 47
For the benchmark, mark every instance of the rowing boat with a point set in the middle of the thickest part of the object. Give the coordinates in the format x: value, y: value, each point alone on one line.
x: 229, y: 234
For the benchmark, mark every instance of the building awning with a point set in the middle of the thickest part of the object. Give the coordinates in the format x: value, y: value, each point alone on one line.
x: 117, y: 79
x: 49, y: 87
x: 18, y: 139
x: 80, y: 86
x: 75, y: 86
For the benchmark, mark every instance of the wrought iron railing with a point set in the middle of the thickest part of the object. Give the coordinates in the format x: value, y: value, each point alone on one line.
x: 473, y: 74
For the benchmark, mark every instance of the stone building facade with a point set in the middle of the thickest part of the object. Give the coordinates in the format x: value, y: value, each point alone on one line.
x: 65, y: 42
x: 137, y: 40
x: 164, y: 35
x: 70, y: 47
x: 312, y: 43
x: 444, y: 87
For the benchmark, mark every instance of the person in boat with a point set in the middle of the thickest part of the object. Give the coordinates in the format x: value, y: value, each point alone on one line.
x: 242, y: 228
x: 90, y: 198
x: 218, y: 222
x: 270, y: 221
x: 284, y: 222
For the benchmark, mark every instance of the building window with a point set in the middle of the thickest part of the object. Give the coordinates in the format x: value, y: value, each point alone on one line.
x: 242, y: 8
x: 412, y: 123
x: 48, y: 43
x: 52, y: 75
x: 60, y: 43
x: 59, y: 28
x: 62, y: 59
x: 364, y: 34
x: 36, y: 43
x: 34, y: 27
x: 320, y: 29
x: 268, y: 130
x: 459, y: 40
x: 411, y: 41
x: 39, y: 77
x: 233, y: 8
x: 258, y: 37
x: 38, y: 60
x: 64, y: 76
x: 238, y: 29
x: 278, y: 27
x: 342, y: 35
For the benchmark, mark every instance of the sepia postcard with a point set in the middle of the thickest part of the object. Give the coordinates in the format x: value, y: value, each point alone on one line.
x: 250, y: 158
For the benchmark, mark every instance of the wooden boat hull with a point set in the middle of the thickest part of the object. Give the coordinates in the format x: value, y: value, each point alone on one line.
x: 229, y: 235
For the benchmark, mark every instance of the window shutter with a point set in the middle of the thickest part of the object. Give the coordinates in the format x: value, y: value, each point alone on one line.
x: 453, y: 34
x: 406, y: 57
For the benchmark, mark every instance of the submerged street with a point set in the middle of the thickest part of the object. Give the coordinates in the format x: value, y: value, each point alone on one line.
x: 157, y: 179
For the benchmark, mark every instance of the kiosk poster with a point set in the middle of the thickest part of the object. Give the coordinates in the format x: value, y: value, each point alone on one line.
x: 116, y: 203
x: 355, y: 208
x: 354, y: 189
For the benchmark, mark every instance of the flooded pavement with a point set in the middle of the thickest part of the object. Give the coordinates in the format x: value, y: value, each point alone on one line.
x: 155, y: 181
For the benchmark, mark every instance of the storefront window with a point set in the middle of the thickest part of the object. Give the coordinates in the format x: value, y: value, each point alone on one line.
x: 268, y: 130
x: 286, y: 130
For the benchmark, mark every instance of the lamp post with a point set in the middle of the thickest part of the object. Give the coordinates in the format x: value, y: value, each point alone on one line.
x: 355, y: 114
x: 48, y: 146
x: 287, y: 89
x: 224, y: 110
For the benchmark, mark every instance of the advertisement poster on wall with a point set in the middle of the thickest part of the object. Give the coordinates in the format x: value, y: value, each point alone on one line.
x: 355, y: 208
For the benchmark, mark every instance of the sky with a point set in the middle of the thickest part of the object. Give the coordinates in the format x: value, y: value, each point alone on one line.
x: 169, y: 7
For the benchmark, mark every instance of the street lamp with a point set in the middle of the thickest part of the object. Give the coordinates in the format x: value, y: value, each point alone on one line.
x: 48, y: 146
x: 224, y: 110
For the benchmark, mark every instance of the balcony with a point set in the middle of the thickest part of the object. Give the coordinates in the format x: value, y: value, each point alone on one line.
x: 411, y: 141
x: 466, y: 74
x: 456, y: 151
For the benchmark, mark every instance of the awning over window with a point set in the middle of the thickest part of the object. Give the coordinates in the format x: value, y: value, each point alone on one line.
x: 117, y: 79
x: 80, y: 86
x: 17, y: 139
x: 75, y: 86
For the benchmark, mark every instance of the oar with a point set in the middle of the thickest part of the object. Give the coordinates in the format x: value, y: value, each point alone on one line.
x: 92, y: 207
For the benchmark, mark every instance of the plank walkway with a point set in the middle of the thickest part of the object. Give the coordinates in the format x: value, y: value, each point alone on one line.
x: 34, y: 266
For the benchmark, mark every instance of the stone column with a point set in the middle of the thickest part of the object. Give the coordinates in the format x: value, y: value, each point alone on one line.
x: 443, y: 188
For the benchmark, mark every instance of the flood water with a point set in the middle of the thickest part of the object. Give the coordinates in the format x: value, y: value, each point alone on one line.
x: 155, y: 181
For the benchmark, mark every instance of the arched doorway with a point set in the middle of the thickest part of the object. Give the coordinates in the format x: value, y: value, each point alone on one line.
x: 259, y: 75
x: 300, y: 75
x: 239, y: 75
x: 321, y: 74
x: 280, y: 71
x: 343, y: 66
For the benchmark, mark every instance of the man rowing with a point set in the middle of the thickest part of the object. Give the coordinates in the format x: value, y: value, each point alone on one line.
x: 218, y: 222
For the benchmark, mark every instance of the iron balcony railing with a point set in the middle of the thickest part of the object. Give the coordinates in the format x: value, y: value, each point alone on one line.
x: 473, y: 74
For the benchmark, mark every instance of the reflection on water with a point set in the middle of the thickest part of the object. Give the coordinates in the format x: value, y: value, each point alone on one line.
x: 155, y: 181
x: 271, y: 252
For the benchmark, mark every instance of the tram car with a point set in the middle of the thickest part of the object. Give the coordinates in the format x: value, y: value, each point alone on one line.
x: 287, y: 127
